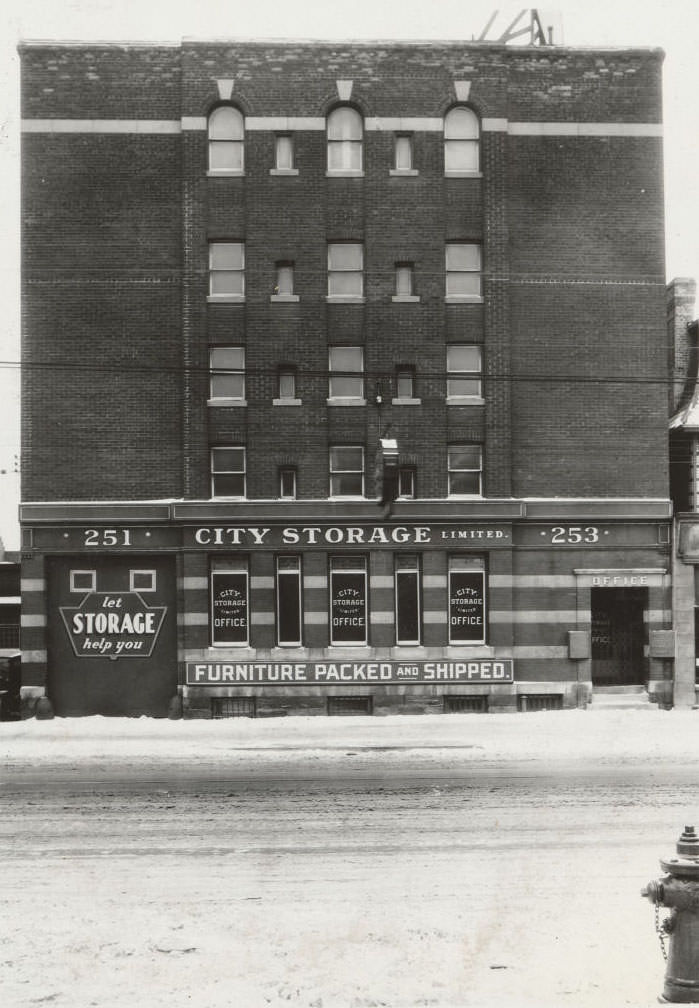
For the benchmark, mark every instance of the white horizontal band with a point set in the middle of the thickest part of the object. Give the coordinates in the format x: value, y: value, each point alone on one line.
x: 101, y: 126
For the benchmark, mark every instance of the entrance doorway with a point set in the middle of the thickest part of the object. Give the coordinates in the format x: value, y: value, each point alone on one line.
x: 618, y: 636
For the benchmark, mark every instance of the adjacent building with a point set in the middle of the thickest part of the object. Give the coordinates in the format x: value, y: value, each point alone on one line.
x: 345, y: 378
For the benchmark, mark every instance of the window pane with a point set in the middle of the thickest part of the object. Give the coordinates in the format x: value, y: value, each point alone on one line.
x: 461, y: 124
x: 288, y: 607
x: 346, y: 485
x: 406, y: 483
x: 463, y: 387
x: 232, y: 358
x: 287, y: 483
x: 463, y: 358
x: 285, y: 280
x: 404, y: 385
x: 463, y: 284
x: 345, y: 284
x: 344, y: 155
x: 229, y: 486
x: 225, y: 155
x: 348, y: 606
x: 227, y: 282
x: 227, y: 255
x: 287, y: 385
x: 404, y: 153
x: 465, y: 457
x: 407, y: 608
x: 346, y: 359
x: 346, y: 387
x: 226, y: 123
x: 464, y: 483
x: 227, y: 386
x: 344, y: 124
x: 228, y: 459
x: 404, y: 280
x: 461, y: 155
x: 285, y: 152
x: 347, y: 459
x: 463, y: 257
x: 345, y: 256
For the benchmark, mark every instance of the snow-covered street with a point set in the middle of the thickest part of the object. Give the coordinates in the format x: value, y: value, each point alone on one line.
x: 461, y: 860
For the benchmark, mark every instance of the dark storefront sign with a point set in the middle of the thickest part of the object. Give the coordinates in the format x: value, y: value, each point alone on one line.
x: 466, y: 607
x: 348, y: 607
x: 113, y: 625
x: 229, y: 607
x: 344, y: 672
x: 352, y: 536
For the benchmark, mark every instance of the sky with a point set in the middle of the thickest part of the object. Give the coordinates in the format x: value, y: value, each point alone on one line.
x: 671, y: 26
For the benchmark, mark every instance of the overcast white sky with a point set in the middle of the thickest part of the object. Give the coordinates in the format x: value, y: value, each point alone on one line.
x: 671, y: 25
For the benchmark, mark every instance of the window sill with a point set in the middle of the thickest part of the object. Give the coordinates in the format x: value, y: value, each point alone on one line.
x: 283, y: 171
x: 346, y: 402
x: 462, y: 400
x: 287, y: 402
x: 349, y: 497
x: 463, y: 174
x: 471, y: 497
x: 463, y: 299
x: 284, y: 298
x: 403, y: 172
x: 406, y: 298
x: 345, y: 299
x: 224, y: 173
x: 406, y: 402
x: 224, y: 498
x: 226, y: 402
x: 345, y: 173
x: 226, y: 298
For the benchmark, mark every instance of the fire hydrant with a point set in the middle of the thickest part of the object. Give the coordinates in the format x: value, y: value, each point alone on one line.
x: 679, y: 891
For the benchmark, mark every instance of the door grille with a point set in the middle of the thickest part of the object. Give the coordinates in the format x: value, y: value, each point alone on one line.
x: 539, y: 701
x: 350, y: 705
x: 226, y: 707
x: 466, y: 704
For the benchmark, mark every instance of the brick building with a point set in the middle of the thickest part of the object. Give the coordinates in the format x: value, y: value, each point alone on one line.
x: 267, y: 287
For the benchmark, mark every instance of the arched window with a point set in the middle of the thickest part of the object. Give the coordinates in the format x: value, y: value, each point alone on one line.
x: 226, y: 139
x: 461, y: 140
x: 345, y: 140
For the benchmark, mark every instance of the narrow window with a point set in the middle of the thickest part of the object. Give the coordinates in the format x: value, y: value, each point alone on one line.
x: 228, y: 472
x: 465, y: 470
x: 345, y: 270
x: 289, y: 612
x: 467, y: 608
x: 347, y: 472
x: 346, y: 377
x: 287, y: 483
x: 406, y: 482
x: 226, y: 269
x: 405, y: 279
x: 287, y: 383
x: 226, y: 140
x: 284, y: 286
x: 464, y: 372
x: 405, y: 383
x: 227, y: 373
x: 461, y: 140
x: 229, y: 616
x: 284, y: 152
x: 345, y: 131
x: 403, y: 152
x: 348, y: 600
x: 463, y: 263
x: 407, y: 587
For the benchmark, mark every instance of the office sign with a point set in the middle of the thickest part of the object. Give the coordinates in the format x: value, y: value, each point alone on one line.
x: 229, y: 607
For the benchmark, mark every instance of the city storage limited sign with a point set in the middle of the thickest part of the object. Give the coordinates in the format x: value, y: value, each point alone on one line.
x: 345, y: 672
x: 376, y: 536
x: 113, y: 625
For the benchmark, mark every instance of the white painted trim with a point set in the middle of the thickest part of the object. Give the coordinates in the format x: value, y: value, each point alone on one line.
x: 101, y: 126
x: 494, y: 125
x: 32, y: 585
x: 193, y: 123
x: 403, y: 124
x: 284, y: 124
x: 539, y: 651
x: 38, y: 657
x: 193, y: 619
x: 32, y: 621
x: 263, y: 619
x: 541, y: 616
x: 585, y: 129
x: 532, y: 581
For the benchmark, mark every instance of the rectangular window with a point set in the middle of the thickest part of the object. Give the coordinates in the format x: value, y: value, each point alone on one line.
x: 346, y: 377
x: 405, y: 279
x: 406, y: 482
x: 284, y: 152
x: 289, y: 611
x: 142, y: 580
x: 463, y: 262
x: 83, y: 581
x: 467, y: 611
x: 464, y: 365
x: 287, y: 483
x: 403, y: 151
x: 226, y: 269
x: 347, y: 472
x: 345, y: 270
x: 465, y: 470
x: 284, y: 287
x: 228, y: 472
x: 287, y: 383
x: 227, y: 373
x: 407, y: 587
x: 348, y: 601
x: 405, y: 383
x: 229, y: 615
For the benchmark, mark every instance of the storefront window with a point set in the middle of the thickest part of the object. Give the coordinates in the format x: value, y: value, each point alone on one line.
x: 407, y: 581
x: 348, y: 600
x: 467, y: 609
x: 289, y: 618
x: 229, y: 616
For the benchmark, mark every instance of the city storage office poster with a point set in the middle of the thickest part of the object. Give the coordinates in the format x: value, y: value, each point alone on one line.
x: 466, y: 607
x: 229, y: 607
